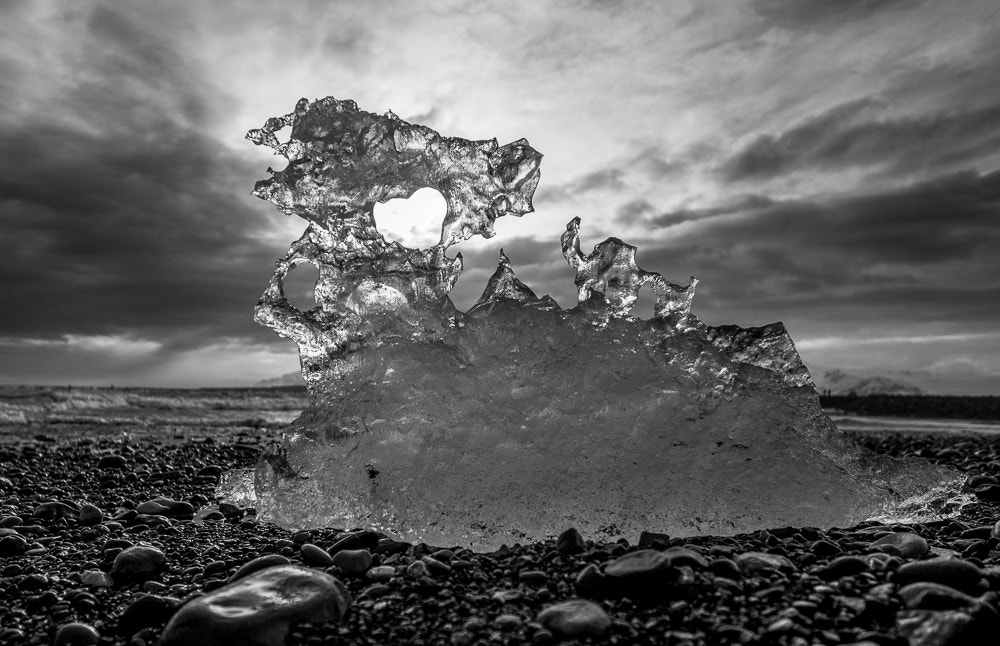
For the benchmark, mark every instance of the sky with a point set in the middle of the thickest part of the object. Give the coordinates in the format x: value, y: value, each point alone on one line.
x: 831, y: 165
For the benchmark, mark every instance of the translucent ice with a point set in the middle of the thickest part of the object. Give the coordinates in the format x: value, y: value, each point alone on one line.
x: 517, y: 419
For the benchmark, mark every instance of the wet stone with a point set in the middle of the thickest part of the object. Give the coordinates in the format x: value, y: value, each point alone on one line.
x: 96, y: 579
x: 575, y: 619
x: 90, y: 515
x: 315, y: 555
x: 933, y: 596
x: 112, y: 463
x: 352, y: 561
x: 571, y: 542
x: 76, y: 634
x: 757, y: 562
x: 939, y: 628
x: 137, y: 563
x: 841, y: 567
x: 955, y: 573
x: 258, y: 609
x: 257, y: 564
x: 910, y: 545
x: 146, y: 611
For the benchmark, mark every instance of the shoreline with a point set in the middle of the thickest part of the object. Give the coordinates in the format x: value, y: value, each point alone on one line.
x: 476, y: 598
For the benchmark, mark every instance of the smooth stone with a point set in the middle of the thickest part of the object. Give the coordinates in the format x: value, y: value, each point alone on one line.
x: 146, y: 611
x: 137, y: 563
x: 315, y: 555
x: 571, y: 542
x: 954, y: 573
x: 933, y: 596
x: 112, y: 462
x: 54, y: 510
x: 76, y: 634
x: 259, y: 563
x: 417, y: 569
x: 364, y: 539
x: 381, y: 573
x: 576, y: 618
x: 756, y: 562
x: 910, y: 545
x: 436, y: 567
x: 96, y: 579
x: 995, y: 533
x: 990, y: 492
x: 165, y: 507
x: 507, y: 622
x: 353, y: 561
x: 13, y: 545
x: 823, y: 548
x: 257, y: 609
x: 90, y: 515
x: 649, y: 539
x: 726, y: 568
x: 842, y: 566
x: 640, y: 574
x: 978, y: 480
x: 939, y: 628
x: 685, y: 556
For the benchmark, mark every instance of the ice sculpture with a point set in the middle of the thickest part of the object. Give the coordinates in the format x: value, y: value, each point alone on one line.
x: 518, y: 418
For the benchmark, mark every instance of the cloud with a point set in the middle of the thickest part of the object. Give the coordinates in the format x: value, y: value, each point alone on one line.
x: 853, y: 134
x: 121, y: 213
x: 817, y: 14
x: 648, y: 164
x: 923, y: 253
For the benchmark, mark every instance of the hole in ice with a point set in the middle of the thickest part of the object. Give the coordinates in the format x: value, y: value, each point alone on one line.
x: 413, y: 222
x: 300, y: 286
x: 643, y: 307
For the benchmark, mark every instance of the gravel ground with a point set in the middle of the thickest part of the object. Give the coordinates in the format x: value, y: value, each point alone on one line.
x: 796, y: 586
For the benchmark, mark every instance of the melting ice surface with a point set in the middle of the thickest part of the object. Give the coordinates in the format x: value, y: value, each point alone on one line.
x: 518, y: 419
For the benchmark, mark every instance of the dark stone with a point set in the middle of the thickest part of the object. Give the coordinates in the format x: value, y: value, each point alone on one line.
x: 137, y: 563
x: 575, y: 619
x: 259, y: 563
x: 955, y: 573
x: 76, y: 634
x: 571, y: 542
x: 146, y: 611
x: 842, y: 566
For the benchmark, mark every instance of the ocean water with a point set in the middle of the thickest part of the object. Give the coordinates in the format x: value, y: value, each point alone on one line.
x: 863, y: 424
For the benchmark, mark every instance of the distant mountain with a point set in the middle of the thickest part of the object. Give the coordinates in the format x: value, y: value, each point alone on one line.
x: 291, y: 379
x: 838, y: 382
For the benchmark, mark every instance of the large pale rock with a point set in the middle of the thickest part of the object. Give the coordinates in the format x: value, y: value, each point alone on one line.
x: 258, y: 609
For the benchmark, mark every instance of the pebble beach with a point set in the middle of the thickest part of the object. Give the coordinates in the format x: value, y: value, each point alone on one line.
x: 110, y: 533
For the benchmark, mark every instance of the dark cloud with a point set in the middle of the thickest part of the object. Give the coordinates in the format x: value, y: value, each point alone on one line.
x: 923, y: 253
x: 851, y: 134
x: 633, y: 211
x: 742, y: 204
x: 816, y: 14
x: 121, y: 215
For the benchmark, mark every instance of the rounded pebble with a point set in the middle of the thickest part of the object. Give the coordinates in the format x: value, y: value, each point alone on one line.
x: 954, y: 573
x: 258, y: 609
x: 137, y: 563
x: 259, y: 563
x: 76, y: 634
x: 910, y: 545
x: 352, y: 561
x: 576, y: 618
x: 315, y: 555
